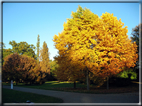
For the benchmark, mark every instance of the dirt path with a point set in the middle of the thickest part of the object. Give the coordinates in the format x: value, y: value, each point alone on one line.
x: 70, y: 97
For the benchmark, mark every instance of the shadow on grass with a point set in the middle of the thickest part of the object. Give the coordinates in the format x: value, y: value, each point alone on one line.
x: 116, y: 85
x: 50, y: 85
x: 12, y: 96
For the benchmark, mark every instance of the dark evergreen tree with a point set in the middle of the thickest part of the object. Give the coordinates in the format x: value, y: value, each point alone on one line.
x: 135, y: 38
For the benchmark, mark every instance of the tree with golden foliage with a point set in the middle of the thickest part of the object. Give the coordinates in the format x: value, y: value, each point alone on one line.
x: 53, y: 69
x: 21, y: 67
x: 10, y: 68
x: 44, y: 60
x: 96, y: 44
x: 30, y: 70
x: 67, y: 70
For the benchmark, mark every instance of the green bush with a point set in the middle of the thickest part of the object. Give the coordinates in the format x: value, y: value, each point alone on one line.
x: 125, y: 73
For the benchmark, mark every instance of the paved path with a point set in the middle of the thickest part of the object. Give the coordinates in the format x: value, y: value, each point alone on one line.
x: 70, y: 97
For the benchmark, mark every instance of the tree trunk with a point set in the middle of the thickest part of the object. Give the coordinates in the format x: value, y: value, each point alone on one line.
x: 74, y: 85
x: 107, y: 82
x: 87, y: 79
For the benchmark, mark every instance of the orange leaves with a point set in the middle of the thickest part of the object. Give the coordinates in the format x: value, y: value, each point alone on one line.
x: 44, y: 57
x: 95, y: 42
x: 20, y: 67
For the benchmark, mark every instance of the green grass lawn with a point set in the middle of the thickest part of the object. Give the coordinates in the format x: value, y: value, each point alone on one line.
x: 50, y: 85
x: 12, y: 96
x: 80, y: 88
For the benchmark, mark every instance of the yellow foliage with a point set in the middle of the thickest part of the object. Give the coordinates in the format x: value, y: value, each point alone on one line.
x: 95, y: 42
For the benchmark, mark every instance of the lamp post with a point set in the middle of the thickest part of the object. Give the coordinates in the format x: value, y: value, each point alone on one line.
x: 11, y: 84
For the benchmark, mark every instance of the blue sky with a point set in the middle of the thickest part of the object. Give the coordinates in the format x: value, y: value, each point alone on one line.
x: 24, y: 21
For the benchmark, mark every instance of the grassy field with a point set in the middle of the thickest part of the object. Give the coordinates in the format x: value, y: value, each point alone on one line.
x: 12, y: 96
x: 81, y: 88
x: 50, y: 85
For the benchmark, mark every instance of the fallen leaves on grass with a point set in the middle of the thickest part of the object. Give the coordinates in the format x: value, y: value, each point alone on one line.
x: 102, y: 90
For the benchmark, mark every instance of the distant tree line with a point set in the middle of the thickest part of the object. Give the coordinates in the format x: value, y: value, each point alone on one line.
x: 21, y: 64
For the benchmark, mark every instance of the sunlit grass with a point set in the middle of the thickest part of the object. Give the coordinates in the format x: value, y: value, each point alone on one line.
x: 57, y: 82
x: 80, y: 88
x: 50, y: 84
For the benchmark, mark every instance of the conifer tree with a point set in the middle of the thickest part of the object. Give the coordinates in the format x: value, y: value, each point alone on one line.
x: 38, y: 45
x: 44, y: 60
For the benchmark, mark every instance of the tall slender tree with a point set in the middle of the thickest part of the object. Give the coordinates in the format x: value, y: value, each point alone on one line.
x: 38, y: 45
x: 44, y: 59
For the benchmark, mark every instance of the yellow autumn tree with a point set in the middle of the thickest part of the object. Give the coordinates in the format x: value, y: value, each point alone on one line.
x: 21, y: 67
x: 67, y: 70
x: 44, y: 62
x: 99, y: 45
